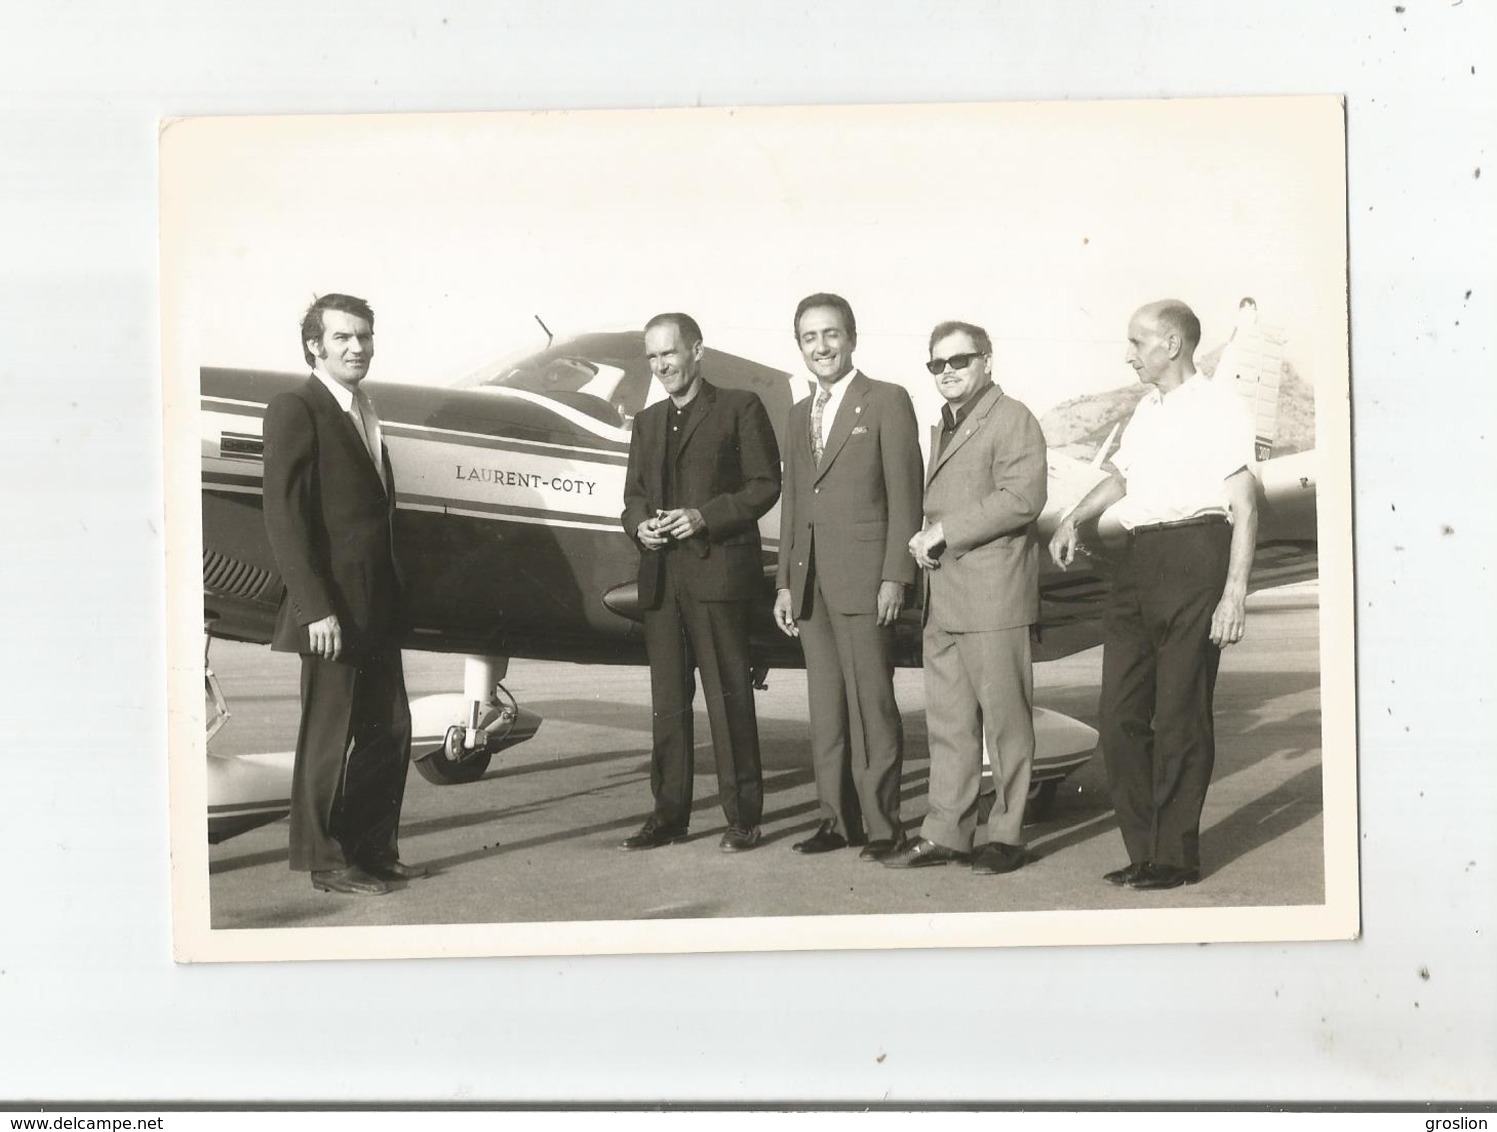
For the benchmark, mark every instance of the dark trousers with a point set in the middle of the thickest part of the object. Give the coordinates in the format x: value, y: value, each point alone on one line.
x: 857, y: 739
x: 1158, y: 678
x: 681, y: 637
x: 352, y: 754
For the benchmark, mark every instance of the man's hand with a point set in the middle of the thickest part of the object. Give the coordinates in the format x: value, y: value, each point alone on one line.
x: 783, y: 618
x: 890, y: 601
x: 927, y: 545
x: 649, y: 535
x: 326, y: 637
x: 681, y: 523
x: 1063, y: 543
x: 1229, y: 619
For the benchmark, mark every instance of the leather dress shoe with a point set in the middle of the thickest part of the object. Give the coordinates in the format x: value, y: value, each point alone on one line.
x: 824, y: 840
x: 998, y: 857
x: 1126, y: 875
x: 881, y: 848
x: 921, y: 853
x: 352, y: 881
x: 1155, y: 877
x: 653, y: 834
x: 395, y: 870
x: 739, y: 840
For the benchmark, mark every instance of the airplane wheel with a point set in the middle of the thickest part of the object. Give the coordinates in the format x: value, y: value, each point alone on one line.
x: 1041, y: 800
x: 450, y: 765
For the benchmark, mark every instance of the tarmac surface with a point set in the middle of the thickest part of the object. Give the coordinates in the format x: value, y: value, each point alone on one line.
x: 537, y: 838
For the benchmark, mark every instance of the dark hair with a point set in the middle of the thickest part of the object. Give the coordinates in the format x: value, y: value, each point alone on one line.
x: 827, y: 299
x: 1247, y: 301
x: 684, y: 323
x: 311, y: 322
x: 1177, y: 316
x: 978, y: 335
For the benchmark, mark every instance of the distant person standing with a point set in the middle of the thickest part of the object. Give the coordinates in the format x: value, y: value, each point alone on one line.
x: 985, y: 488
x: 1184, y: 486
x: 852, y: 503
x: 703, y: 468
x: 329, y: 511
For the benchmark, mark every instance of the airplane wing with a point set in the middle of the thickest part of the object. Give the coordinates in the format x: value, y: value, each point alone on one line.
x: 1072, y: 601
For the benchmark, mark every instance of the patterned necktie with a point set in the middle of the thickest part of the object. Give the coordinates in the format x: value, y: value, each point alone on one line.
x: 822, y: 398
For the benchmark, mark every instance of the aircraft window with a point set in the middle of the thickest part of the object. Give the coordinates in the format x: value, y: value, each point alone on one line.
x: 605, y: 392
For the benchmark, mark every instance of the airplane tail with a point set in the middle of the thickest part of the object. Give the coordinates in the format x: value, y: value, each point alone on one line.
x: 1253, y: 360
x: 1106, y: 449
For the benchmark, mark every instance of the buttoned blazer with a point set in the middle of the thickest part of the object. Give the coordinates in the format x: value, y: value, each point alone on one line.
x: 728, y: 468
x: 330, y: 521
x: 986, y: 490
x: 857, y: 510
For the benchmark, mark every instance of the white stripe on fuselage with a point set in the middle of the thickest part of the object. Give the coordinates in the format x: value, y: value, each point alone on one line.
x: 438, y: 471
x: 433, y: 463
x: 403, y: 426
x: 565, y: 412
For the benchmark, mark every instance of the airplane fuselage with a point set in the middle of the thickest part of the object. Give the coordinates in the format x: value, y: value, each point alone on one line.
x: 508, y: 526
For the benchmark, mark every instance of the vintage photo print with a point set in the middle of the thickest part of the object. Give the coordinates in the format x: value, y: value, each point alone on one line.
x: 964, y: 559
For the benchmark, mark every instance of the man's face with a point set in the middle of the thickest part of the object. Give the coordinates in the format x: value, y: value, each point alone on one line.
x: 672, y: 361
x: 957, y: 385
x: 347, y: 347
x: 1149, y: 351
x: 825, y: 344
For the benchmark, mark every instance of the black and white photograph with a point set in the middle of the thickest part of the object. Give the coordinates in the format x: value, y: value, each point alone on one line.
x: 763, y: 529
x: 912, y: 559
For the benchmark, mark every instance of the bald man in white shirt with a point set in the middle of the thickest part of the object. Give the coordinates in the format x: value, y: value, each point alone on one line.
x: 1183, y: 484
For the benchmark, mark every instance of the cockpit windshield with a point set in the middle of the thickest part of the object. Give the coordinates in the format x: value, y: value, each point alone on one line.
x: 608, y: 389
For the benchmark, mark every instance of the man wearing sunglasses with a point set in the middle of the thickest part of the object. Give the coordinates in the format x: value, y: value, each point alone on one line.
x: 980, y: 555
x: 851, y: 503
x: 1184, y: 488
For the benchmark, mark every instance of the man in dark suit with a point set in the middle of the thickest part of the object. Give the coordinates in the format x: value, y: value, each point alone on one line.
x: 985, y: 489
x: 703, y: 467
x: 329, y: 506
x: 852, y: 503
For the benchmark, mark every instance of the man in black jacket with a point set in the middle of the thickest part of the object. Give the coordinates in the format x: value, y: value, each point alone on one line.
x: 329, y: 506
x: 703, y: 467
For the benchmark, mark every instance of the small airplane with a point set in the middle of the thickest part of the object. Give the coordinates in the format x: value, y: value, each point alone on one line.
x: 510, y: 488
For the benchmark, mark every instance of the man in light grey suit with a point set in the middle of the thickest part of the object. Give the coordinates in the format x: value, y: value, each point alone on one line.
x: 980, y: 555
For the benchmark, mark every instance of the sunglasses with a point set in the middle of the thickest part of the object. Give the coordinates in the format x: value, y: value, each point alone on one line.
x: 937, y: 366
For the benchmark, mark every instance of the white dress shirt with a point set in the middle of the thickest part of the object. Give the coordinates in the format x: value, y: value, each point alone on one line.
x: 1179, y: 450
x: 361, y: 410
x: 833, y: 403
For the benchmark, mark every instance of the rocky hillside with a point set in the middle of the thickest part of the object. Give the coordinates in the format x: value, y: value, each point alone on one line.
x: 1079, y: 425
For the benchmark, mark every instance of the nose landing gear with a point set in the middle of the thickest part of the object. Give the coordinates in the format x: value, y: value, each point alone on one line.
x: 491, y: 721
x: 466, y: 751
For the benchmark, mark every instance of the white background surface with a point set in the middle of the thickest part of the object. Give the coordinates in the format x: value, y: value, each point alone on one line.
x: 91, y: 1005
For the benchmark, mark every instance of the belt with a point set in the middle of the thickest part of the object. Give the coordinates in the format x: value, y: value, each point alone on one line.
x: 1198, y: 521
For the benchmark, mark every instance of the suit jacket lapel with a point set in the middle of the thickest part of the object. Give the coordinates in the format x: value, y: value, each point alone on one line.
x: 968, y: 427
x: 848, y: 414
x: 350, y: 434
